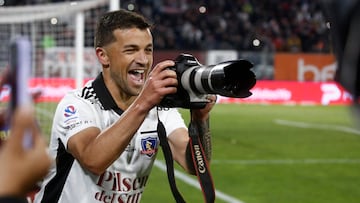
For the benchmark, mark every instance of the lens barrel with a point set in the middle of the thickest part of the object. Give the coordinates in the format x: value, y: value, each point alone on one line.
x: 196, y: 81
x: 230, y: 79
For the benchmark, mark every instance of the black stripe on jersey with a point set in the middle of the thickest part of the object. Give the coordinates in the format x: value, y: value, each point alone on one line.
x: 54, y: 188
x: 88, y: 92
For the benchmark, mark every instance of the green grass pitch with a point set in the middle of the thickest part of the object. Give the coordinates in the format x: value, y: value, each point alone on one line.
x: 276, y: 154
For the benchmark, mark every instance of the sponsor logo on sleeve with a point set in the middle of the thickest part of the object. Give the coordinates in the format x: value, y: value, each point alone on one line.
x: 71, y: 119
x: 69, y: 111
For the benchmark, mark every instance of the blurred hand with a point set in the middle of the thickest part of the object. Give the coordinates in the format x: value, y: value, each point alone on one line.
x: 20, y: 168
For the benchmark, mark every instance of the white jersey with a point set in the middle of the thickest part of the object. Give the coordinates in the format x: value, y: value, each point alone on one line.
x: 125, y: 179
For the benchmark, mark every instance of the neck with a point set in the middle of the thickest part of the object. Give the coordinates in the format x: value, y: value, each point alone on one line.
x: 122, y: 99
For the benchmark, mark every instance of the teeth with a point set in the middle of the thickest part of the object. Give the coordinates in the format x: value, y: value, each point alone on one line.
x: 137, y: 74
x: 137, y: 71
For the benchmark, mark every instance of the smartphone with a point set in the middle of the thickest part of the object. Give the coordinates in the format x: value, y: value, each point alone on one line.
x: 20, y: 71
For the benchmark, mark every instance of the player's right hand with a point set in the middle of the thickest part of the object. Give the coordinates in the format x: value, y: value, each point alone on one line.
x: 160, y: 82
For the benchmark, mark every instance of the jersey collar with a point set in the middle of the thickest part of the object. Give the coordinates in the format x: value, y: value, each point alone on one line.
x: 104, y: 95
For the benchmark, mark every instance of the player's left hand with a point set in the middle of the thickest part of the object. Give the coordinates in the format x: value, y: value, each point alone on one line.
x: 203, y: 114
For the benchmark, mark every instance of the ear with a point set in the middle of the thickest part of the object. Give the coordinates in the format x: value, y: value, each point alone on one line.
x: 102, y: 56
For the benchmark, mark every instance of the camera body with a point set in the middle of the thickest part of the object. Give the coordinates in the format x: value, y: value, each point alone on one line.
x: 229, y: 79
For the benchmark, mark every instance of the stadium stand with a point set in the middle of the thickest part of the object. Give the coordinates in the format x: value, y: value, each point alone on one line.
x: 282, y: 26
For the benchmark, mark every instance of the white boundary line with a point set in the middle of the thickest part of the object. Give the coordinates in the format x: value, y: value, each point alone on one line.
x: 317, y: 126
x: 227, y: 198
x: 195, y: 183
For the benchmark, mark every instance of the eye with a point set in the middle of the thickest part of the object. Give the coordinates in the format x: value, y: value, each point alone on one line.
x: 149, y: 50
x: 130, y: 51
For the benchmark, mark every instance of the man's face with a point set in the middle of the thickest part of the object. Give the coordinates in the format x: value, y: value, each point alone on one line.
x: 130, y: 59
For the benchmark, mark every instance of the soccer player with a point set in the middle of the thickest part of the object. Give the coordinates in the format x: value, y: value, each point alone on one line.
x: 104, y: 136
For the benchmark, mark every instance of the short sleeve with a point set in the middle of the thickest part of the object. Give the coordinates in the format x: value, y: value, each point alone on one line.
x: 73, y: 115
x: 172, y: 120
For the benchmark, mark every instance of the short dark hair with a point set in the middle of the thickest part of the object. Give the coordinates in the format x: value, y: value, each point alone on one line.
x: 119, y: 19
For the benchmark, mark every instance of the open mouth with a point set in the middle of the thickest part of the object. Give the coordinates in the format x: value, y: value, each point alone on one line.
x: 137, y: 75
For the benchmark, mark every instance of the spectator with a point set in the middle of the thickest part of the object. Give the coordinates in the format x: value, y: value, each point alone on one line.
x: 228, y: 24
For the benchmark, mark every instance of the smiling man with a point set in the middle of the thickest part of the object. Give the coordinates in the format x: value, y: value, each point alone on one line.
x: 104, y: 135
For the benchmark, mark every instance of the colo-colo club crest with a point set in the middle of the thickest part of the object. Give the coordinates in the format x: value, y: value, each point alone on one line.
x: 149, y: 146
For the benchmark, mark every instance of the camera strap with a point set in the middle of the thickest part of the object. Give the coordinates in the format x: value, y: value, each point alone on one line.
x: 169, y: 161
x: 199, y: 160
x: 200, y: 165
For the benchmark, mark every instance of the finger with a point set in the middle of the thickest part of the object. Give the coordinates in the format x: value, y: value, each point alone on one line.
x: 170, y: 73
x: 38, y: 138
x: 21, y: 121
x: 212, y: 98
x: 167, y: 74
x: 163, y: 65
x: 165, y: 78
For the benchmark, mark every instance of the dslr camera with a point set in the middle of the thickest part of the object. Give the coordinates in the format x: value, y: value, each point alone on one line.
x: 196, y: 81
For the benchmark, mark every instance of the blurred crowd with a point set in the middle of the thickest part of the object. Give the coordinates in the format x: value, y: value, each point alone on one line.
x: 252, y: 25
x: 274, y: 25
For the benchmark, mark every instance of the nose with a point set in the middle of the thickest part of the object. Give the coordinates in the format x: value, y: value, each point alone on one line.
x: 142, y: 58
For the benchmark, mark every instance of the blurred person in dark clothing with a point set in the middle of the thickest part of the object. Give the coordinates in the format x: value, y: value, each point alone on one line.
x: 344, y: 18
